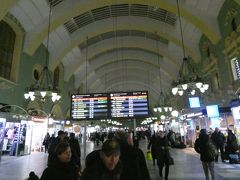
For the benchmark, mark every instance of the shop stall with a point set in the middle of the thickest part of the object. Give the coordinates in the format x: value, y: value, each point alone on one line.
x: 13, y: 138
x: 39, y: 126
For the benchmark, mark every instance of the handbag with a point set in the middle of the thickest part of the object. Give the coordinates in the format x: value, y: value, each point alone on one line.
x: 149, y: 155
x: 170, y: 161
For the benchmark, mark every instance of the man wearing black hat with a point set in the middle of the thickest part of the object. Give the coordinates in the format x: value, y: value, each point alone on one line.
x: 103, y: 164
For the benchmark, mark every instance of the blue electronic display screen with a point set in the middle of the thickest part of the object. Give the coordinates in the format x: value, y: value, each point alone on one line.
x: 129, y: 104
x: 89, y: 106
x: 194, y: 102
x: 212, y: 111
x: 110, y: 105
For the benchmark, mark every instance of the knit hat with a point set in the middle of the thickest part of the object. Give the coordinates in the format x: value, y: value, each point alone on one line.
x: 111, y: 147
x: 60, y: 132
x: 203, y: 131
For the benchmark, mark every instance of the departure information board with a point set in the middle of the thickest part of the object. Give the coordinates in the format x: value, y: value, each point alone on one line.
x: 110, y: 105
x: 89, y: 106
x: 129, y: 104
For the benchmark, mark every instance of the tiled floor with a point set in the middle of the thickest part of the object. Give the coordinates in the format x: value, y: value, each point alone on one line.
x: 187, y: 166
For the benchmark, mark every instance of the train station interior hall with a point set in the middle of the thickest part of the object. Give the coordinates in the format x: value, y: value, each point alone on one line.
x: 97, y: 68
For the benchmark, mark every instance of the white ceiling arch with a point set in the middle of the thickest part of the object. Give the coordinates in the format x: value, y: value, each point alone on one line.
x: 144, y: 76
x: 131, y: 85
x: 130, y: 43
x: 115, y: 75
x: 125, y: 23
x: 198, y: 18
x: 126, y: 66
x: 135, y: 54
x: 203, y: 19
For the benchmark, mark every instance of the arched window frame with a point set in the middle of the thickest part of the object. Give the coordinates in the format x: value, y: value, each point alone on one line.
x: 18, y: 46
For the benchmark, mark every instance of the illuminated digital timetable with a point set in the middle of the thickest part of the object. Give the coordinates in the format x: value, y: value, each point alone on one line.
x: 90, y: 106
x: 129, y: 104
x: 110, y: 105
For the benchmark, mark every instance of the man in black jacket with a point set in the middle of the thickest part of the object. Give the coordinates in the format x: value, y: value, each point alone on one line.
x: 103, y: 164
x: 132, y: 159
x: 201, y: 147
x: 218, y: 140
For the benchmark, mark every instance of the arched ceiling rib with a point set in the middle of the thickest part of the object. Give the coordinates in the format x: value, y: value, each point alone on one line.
x: 124, y: 23
x: 126, y: 54
x: 126, y: 66
x: 130, y: 86
x: 117, y: 31
x: 112, y: 77
x: 127, y: 43
x: 66, y: 10
x: 123, y: 67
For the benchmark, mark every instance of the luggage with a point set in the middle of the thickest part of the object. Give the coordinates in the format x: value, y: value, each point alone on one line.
x: 234, y: 159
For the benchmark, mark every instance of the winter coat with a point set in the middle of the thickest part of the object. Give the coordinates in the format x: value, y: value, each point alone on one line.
x: 60, y: 171
x: 133, y: 163
x: 152, y: 144
x: 95, y: 169
x: 218, y: 139
x: 200, y: 146
x: 232, y: 144
x: 75, y: 149
x: 162, y: 150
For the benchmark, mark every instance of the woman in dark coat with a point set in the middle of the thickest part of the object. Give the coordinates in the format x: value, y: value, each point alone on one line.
x: 163, y: 154
x: 61, y: 168
x: 152, y: 144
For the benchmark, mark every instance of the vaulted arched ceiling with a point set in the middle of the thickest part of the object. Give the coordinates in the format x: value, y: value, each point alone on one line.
x: 124, y: 39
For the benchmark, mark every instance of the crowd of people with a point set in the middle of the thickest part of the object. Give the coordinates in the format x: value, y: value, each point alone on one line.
x: 209, y: 145
x: 120, y: 158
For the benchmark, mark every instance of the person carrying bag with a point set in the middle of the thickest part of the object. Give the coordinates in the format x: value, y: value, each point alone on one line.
x: 164, y: 158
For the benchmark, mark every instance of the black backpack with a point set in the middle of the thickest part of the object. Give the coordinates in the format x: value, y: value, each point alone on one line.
x: 211, y: 150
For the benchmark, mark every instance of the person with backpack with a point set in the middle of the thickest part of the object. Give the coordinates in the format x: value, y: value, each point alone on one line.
x: 207, y: 151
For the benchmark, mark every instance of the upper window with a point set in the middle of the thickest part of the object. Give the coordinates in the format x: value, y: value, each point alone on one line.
x: 7, y: 41
x: 235, y: 64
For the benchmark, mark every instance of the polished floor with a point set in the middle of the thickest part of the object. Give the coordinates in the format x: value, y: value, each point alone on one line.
x: 187, y: 166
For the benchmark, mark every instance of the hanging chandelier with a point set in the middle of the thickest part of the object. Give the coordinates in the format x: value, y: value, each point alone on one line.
x: 44, y: 88
x: 163, y: 105
x: 188, y: 80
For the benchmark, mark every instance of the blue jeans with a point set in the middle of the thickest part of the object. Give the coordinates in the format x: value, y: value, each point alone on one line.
x: 208, y: 166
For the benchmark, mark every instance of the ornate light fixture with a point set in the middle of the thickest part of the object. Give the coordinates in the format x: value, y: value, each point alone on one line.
x: 44, y: 86
x: 162, y: 107
x: 188, y: 80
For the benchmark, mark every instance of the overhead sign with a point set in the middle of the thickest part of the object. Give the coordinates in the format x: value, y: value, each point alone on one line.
x: 89, y: 106
x: 109, y: 105
x: 129, y: 104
